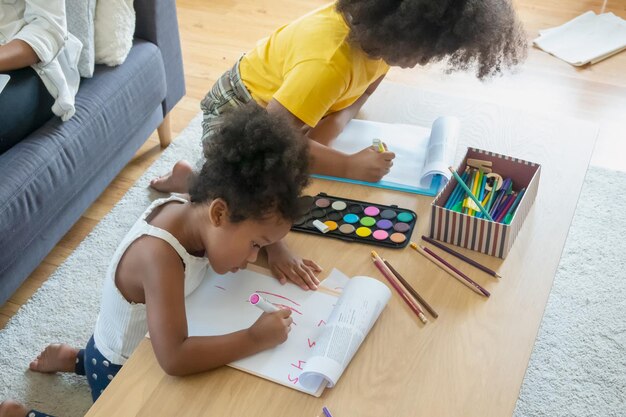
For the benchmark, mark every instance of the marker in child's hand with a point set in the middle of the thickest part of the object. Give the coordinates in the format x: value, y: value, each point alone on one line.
x: 379, y: 144
x: 256, y: 300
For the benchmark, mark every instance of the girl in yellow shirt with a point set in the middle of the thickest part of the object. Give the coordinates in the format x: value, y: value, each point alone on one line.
x: 319, y: 70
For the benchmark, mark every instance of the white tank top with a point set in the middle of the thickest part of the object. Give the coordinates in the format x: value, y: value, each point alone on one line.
x: 122, y: 325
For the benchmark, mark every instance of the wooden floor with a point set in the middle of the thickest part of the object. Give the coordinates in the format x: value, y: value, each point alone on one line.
x: 215, y: 33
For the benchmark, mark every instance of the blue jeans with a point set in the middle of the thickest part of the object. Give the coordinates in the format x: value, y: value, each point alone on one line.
x: 25, y: 105
x: 98, y: 370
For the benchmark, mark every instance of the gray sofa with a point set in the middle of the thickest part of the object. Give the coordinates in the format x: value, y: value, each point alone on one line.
x: 50, y: 178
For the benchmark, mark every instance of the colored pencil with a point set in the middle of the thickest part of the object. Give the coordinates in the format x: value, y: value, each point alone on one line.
x: 492, y: 194
x: 511, y: 211
x: 461, y: 256
x: 387, y: 274
x: 455, y: 273
x: 459, y: 196
x: 482, y: 191
x: 470, y: 194
x: 326, y: 412
x: 414, y: 293
x: 470, y: 184
x: 506, y: 206
x: 474, y: 188
x: 456, y: 193
x: 500, y: 196
x: 461, y: 274
x: 496, y: 203
x: 485, y: 199
x: 385, y: 266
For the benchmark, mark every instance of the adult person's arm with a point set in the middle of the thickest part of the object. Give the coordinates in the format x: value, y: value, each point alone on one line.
x: 40, y: 39
x: 17, y: 54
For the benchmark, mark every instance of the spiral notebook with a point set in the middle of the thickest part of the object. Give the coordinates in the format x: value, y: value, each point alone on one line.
x: 423, y: 155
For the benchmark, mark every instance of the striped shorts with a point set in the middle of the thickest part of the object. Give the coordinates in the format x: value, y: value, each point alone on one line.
x: 228, y: 92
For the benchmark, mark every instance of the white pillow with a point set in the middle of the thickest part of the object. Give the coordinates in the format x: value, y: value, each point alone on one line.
x: 80, y: 16
x: 114, y: 29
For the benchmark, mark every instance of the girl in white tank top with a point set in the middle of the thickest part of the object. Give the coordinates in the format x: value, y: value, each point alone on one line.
x: 245, y: 198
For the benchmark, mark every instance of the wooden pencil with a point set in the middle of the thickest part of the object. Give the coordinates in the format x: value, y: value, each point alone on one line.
x: 461, y: 256
x: 414, y: 293
x: 395, y: 278
x: 465, y: 280
x: 396, y: 286
x: 461, y: 274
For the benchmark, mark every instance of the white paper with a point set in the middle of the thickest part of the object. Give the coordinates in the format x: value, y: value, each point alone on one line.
x: 220, y: 305
x: 441, y: 148
x: 586, y: 38
x: 420, y: 154
x: 335, y: 281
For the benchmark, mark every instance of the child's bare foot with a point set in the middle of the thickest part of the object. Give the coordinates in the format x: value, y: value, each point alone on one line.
x: 10, y: 408
x: 176, y: 181
x: 55, y: 358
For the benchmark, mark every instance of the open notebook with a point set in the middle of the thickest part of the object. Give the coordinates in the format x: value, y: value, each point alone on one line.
x: 422, y: 155
x: 327, y: 331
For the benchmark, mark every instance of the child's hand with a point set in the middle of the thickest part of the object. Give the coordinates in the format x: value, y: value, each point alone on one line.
x: 369, y: 164
x: 286, y: 266
x: 271, y: 329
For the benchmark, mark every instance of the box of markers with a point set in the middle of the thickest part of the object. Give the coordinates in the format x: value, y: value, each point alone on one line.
x: 453, y: 220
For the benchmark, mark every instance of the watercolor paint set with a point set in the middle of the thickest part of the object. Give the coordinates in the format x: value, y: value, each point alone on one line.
x: 357, y: 221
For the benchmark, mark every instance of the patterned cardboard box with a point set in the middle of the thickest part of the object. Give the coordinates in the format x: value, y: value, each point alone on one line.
x: 479, y: 234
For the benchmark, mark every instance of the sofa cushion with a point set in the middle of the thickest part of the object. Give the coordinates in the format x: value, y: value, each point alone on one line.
x: 80, y: 17
x: 52, y: 165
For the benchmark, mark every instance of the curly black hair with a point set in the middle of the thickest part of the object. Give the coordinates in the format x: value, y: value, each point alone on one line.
x: 257, y: 163
x: 484, y: 35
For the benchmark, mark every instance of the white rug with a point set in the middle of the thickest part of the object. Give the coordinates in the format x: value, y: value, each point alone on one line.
x: 577, y: 368
x: 578, y: 364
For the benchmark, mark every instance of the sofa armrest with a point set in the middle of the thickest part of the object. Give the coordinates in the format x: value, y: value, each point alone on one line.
x: 157, y: 23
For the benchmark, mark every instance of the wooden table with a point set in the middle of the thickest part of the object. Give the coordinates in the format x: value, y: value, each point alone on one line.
x: 472, y: 359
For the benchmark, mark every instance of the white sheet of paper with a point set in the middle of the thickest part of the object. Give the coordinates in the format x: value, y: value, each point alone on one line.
x: 220, y: 306
x: 336, y: 280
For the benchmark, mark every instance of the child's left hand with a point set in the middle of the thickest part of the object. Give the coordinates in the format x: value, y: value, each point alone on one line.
x: 286, y: 266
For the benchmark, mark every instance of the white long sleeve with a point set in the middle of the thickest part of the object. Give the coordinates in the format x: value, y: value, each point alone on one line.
x: 42, y: 24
